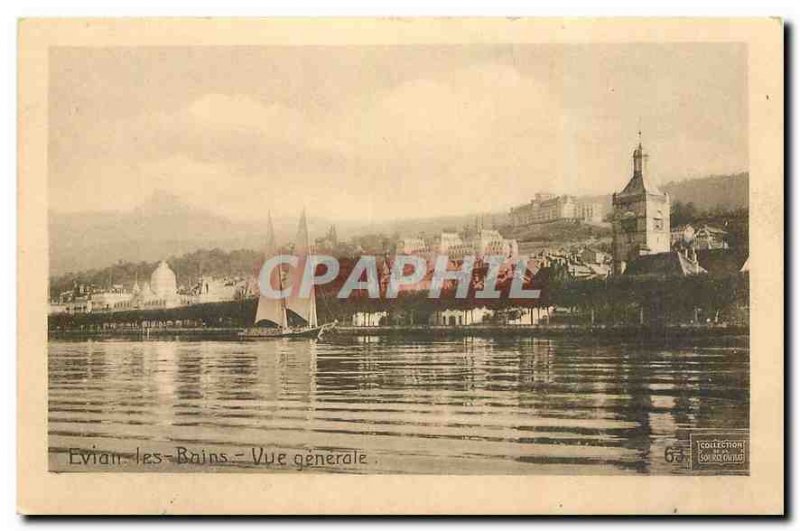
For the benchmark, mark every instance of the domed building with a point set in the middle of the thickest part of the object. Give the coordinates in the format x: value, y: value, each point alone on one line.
x: 163, y: 283
x: 160, y: 292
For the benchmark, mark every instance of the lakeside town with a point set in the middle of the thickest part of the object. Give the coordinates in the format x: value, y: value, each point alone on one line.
x: 639, y: 262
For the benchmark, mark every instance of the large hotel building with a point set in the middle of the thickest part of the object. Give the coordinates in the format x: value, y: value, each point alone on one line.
x: 550, y: 207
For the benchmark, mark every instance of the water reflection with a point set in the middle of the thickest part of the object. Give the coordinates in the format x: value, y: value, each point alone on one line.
x: 493, y: 406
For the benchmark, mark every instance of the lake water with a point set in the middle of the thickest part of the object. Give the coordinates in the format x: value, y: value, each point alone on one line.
x: 378, y: 405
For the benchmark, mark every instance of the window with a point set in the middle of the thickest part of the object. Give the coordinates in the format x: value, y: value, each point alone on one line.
x: 628, y: 224
x: 658, y: 224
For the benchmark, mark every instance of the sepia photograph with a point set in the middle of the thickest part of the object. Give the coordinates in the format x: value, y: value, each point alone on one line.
x: 467, y: 257
x: 616, y: 176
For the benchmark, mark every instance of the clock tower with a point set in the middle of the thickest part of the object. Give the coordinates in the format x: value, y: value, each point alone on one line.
x: 640, y: 217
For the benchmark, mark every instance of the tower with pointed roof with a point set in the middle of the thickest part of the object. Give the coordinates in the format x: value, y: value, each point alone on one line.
x: 640, y: 217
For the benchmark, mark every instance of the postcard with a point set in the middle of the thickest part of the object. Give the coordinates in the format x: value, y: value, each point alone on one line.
x: 400, y: 266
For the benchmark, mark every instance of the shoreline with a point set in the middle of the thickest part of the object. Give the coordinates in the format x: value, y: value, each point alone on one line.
x: 670, y: 332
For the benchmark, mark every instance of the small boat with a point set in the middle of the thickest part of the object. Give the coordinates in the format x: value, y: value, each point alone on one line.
x: 276, y: 332
x: 272, y: 315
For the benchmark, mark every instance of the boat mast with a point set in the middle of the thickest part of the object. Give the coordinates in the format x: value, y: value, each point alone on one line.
x: 269, y: 308
x: 284, y: 316
x: 311, y: 317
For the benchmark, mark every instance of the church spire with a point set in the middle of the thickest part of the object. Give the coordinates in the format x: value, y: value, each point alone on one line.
x: 638, y: 156
x: 640, y: 221
x: 638, y: 183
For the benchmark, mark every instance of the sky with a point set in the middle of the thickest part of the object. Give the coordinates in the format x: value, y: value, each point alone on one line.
x: 385, y: 132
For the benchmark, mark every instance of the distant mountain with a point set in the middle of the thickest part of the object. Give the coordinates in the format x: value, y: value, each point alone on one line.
x: 163, y: 226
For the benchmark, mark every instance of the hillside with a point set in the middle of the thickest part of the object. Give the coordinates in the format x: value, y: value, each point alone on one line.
x: 558, y: 233
x: 726, y: 192
x: 165, y: 226
x: 188, y: 268
x: 717, y: 192
x: 719, y: 200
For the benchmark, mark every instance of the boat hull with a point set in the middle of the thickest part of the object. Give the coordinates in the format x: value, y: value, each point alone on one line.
x: 313, y: 332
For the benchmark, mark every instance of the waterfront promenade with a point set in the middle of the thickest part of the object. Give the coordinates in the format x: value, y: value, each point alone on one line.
x: 560, y: 330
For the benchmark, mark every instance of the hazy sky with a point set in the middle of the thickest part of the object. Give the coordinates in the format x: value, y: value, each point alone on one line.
x: 385, y: 131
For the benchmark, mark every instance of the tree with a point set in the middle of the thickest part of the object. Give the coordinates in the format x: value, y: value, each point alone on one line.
x: 683, y: 213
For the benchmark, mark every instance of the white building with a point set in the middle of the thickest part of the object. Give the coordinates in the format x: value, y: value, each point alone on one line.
x: 544, y: 208
x: 110, y: 300
x: 483, y: 243
x: 217, y: 290
x: 457, y: 317
x: 489, y: 242
x: 451, y: 244
x: 529, y: 316
x: 369, y: 318
x: 413, y: 245
x: 160, y: 292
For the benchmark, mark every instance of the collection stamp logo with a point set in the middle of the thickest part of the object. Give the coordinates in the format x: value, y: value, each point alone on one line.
x: 719, y: 451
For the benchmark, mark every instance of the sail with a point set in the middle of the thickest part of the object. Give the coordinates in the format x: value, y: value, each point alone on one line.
x: 304, y: 307
x: 270, y: 309
x: 312, y: 309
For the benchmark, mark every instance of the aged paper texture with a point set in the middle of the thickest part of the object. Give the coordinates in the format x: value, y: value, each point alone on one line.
x: 401, y: 266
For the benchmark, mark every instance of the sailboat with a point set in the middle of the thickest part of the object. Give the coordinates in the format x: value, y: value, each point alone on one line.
x: 275, y: 313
